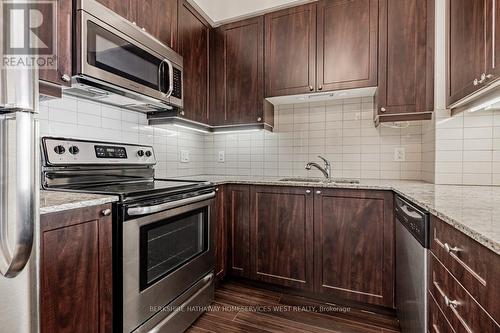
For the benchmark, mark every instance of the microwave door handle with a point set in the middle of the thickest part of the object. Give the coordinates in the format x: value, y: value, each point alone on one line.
x: 160, y: 72
x: 170, y: 77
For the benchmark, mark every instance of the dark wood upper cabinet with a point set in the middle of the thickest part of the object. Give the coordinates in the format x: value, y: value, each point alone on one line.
x: 237, y: 73
x: 406, y: 60
x: 61, y: 75
x: 76, y: 271
x: 281, y: 242
x: 347, y: 44
x: 159, y: 18
x: 290, y: 51
x: 354, y: 245
x: 193, y: 45
x: 219, y: 223
x: 124, y: 8
x: 238, y: 225
x: 467, y: 47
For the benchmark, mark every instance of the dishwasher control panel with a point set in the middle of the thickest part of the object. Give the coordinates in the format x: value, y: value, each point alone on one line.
x: 414, y: 219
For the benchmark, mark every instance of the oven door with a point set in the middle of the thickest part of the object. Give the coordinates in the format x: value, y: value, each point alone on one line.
x: 164, y: 254
x: 111, y: 51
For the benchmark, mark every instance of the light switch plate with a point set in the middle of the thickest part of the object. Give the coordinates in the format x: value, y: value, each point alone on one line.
x: 399, y: 154
x: 184, y: 156
x: 221, y: 157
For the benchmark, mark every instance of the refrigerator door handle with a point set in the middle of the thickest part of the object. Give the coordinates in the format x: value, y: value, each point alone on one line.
x: 18, y: 190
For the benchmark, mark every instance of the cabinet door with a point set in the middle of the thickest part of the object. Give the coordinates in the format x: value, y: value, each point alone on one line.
x: 354, y: 245
x: 239, y: 72
x: 466, y: 62
x: 76, y: 271
x: 62, y: 74
x: 219, y: 223
x: 282, y: 236
x: 159, y: 18
x: 406, y: 56
x: 492, y: 41
x: 290, y: 52
x: 193, y: 43
x: 238, y: 224
x: 124, y: 8
x: 347, y: 44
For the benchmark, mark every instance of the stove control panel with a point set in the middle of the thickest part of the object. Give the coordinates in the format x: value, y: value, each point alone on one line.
x: 57, y: 151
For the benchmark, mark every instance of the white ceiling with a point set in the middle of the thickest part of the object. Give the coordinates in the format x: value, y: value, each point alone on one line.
x: 223, y: 11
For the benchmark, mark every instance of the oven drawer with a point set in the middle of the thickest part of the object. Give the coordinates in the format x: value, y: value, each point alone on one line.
x: 476, y: 267
x: 191, y: 304
x: 437, y: 321
x: 461, y: 310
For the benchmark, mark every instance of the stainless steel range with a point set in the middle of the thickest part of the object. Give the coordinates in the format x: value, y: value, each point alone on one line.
x: 162, y: 244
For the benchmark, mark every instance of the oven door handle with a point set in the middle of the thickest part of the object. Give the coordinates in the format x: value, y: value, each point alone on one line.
x: 168, y: 205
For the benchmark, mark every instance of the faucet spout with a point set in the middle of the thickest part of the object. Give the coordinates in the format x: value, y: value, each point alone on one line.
x: 327, y: 170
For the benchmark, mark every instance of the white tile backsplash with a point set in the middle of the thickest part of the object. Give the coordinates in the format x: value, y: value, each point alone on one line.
x: 342, y: 131
x: 82, y: 119
x: 463, y: 149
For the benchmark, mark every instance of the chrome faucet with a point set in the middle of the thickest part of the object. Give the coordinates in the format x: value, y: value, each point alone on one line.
x: 327, y: 170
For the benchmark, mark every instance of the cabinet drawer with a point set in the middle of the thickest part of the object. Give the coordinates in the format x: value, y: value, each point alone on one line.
x: 476, y: 267
x: 437, y: 321
x: 461, y: 310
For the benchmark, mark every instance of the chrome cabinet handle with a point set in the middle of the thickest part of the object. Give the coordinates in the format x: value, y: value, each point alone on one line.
x: 66, y: 78
x: 217, y: 189
x: 320, y: 87
x: 106, y: 212
x: 311, y: 88
x: 259, y: 119
x: 182, y: 113
x: 475, y: 82
x: 318, y: 192
x: 382, y: 109
x: 450, y: 249
x: 483, y: 78
x: 308, y: 191
x: 453, y: 305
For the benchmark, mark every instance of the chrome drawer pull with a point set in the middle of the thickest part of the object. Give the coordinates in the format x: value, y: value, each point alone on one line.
x: 453, y: 305
x: 450, y: 249
x: 452, y: 252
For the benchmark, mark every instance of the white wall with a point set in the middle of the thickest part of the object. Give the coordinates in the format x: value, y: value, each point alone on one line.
x: 221, y: 11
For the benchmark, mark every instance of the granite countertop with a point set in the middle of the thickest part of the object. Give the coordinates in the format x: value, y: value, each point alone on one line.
x: 53, y: 202
x: 474, y: 210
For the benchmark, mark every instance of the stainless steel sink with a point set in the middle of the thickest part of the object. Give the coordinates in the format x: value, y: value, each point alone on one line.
x: 320, y: 180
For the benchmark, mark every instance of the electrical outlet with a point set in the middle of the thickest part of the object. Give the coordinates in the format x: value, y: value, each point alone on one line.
x: 221, y: 158
x: 184, y: 156
x: 399, y: 154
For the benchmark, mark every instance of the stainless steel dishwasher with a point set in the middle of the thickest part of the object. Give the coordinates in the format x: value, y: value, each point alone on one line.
x: 412, y: 243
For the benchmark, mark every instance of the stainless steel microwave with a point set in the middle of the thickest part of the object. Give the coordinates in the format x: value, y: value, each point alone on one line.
x: 118, y: 63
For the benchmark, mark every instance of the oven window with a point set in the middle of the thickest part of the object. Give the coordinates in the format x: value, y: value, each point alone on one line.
x: 113, y: 54
x: 171, y: 243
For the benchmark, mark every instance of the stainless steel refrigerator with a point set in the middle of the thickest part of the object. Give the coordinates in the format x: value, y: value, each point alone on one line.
x: 19, y: 198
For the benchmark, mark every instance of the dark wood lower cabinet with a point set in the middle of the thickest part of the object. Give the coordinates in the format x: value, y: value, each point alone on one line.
x: 354, y: 245
x: 219, y: 223
x: 76, y: 271
x: 238, y: 225
x: 334, y: 243
x: 281, y: 236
